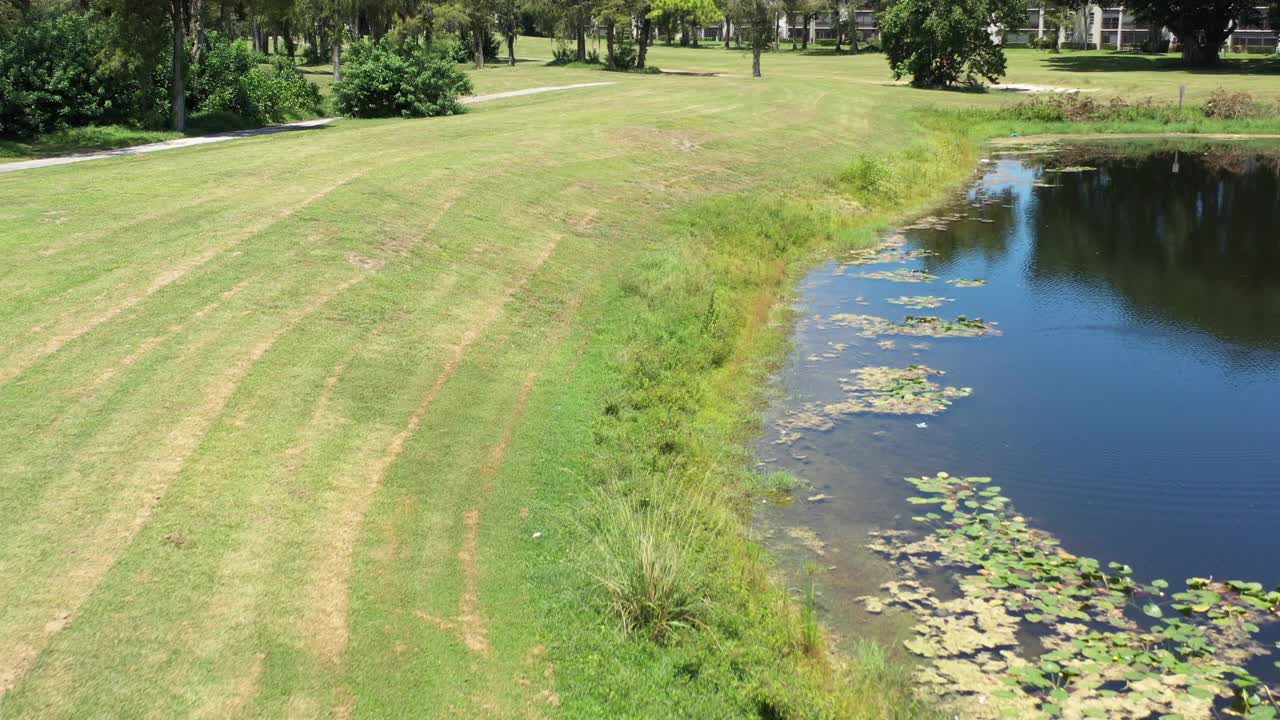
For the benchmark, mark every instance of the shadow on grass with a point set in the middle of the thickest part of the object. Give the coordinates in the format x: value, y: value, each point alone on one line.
x: 1129, y: 62
x: 828, y: 52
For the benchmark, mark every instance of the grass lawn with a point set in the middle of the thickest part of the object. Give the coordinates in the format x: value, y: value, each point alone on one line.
x: 325, y: 423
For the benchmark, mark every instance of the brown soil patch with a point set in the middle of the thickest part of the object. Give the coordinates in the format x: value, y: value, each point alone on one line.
x: 73, y: 327
x: 118, y: 530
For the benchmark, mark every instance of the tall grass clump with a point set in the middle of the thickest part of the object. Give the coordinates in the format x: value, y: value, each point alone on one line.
x: 649, y: 559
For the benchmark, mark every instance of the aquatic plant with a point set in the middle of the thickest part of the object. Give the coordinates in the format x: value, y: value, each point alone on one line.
x: 915, y: 276
x: 1114, y: 646
x: 895, y: 391
x: 916, y: 325
x: 920, y: 302
x: 967, y: 282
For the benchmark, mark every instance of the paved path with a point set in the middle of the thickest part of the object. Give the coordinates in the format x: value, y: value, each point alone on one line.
x: 235, y: 135
x: 528, y: 91
x: 157, y: 147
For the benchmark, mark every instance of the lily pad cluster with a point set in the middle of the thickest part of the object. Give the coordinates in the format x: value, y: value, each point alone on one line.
x: 900, y: 275
x: 881, y: 390
x: 889, y: 250
x: 967, y: 282
x: 1113, y: 646
x: 915, y: 325
x: 895, y: 391
x: 920, y: 302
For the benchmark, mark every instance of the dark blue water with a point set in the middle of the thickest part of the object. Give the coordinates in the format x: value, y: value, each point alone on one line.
x: 1132, y: 404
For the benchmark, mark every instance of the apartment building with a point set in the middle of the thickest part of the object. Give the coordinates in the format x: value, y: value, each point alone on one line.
x: 1098, y: 26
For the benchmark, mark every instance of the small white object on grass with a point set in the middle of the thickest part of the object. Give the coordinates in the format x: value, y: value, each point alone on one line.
x: 537, y: 535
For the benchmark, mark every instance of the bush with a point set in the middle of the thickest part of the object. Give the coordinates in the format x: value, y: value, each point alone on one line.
x: 229, y: 79
x: 562, y: 54
x: 1234, y: 106
x: 1077, y: 107
x: 49, y: 80
x: 625, y: 56
x: 492, y: 45
x: 381, y: 80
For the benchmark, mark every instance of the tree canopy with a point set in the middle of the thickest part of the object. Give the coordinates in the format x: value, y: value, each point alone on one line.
x: 1200, y: 26
x: 942, y: 42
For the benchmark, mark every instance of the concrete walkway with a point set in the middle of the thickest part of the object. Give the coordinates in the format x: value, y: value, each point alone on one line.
x: 237, y: 134
x: 157, y: 147
x: 528, y: 91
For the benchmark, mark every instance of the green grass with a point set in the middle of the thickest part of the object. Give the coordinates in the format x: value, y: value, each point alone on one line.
x: 280, y: 418
x: 85, y: 139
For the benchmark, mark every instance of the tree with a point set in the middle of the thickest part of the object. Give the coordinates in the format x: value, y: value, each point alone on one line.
x: 1060, y: 18
x: 508, y: 14
x: 141, y: 38
x: 940, y: 42
x: 687, y: 15
x: 757, y: 22
x: 1201, y: 26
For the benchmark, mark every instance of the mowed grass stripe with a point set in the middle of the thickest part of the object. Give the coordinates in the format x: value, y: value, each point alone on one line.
x: 434, y: 580
x: 497, y: 259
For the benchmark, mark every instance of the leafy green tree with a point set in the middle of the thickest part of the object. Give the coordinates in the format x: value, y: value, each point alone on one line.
x: 1201, y: 26
x: 941, y: 42
x: 758, y: 25
x: 687, y: 15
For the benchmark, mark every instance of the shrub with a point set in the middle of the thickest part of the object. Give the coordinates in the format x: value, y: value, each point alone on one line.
x: 1077, y: 107
x: 49, y: 80
x: 1233, y: 106
x: 492, y: 45
x: 381, y: 80
x: 625, y: 56
x: 562, y: 54
x: 229, y: 79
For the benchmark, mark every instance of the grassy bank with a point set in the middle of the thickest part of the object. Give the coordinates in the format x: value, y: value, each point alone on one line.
x: 686, y: 619
x: 449, y: 416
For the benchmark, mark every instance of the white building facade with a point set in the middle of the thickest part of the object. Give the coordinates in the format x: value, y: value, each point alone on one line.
x: 1098, y: 26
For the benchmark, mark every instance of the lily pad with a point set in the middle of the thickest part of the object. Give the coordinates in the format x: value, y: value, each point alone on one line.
x: 920, y: 302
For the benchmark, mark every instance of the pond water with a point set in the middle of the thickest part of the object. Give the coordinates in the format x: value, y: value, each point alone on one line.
x: 1127, y: 399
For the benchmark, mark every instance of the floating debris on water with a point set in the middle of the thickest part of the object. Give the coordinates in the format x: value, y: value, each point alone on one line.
x: 920, y: 302
x: 967, y: 282
x: 1071, y: 169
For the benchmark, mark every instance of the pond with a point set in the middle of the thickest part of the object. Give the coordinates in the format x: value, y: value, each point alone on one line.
x: 1098, y: 329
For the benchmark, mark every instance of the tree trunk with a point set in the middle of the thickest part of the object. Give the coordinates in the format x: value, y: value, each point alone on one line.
x: 755, y: 60
x: 582, y: 37
x: 477, y: 32
x: 696, y: 29
x: 646, y: 29
x: 179, y: 56
x: 337, y: 50
x: 804, y: 42
x: 608, y: 34
x: 728, y: 25
x: 511, y: 49
x: 1197, y: 55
